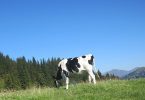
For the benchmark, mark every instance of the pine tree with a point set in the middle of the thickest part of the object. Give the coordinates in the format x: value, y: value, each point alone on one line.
x: 23, y: 73
x: 107, y: 76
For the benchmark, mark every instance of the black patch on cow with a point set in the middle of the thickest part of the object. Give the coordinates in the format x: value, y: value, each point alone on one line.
x: 59, y: 77
x: 73, y: 65
x: 66, y: 73
x: 91, y: 60
x: 68, y: 65
x: 83, y: 56
x: 75, y: 60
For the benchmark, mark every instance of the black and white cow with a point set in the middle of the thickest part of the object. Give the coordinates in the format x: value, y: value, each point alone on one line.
x: 75, y: 65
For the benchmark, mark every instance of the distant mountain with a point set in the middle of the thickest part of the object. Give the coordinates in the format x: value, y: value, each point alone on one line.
x: 134, y: 73
x: 137, y: 73
x: 119, y: 73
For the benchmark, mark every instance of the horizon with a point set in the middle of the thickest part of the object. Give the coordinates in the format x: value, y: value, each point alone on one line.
x: 113, y: 31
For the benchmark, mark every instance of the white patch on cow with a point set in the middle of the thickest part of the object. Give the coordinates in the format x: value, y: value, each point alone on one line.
x: 62, y: 63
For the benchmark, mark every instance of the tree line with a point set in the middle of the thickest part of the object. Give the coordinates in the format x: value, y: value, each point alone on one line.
x: 22, y: 73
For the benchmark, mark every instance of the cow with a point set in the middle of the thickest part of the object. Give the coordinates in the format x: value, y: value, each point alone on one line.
x: 75, y: 65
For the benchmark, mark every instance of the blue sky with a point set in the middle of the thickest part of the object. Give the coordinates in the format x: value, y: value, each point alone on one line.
x: 112, y: 30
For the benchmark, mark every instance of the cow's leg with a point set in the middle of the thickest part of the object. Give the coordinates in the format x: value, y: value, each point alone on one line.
x: 67, y: 82
x: 89, y: 78
x: 93, y: 77
x: 65, y: 77
x: 90, y: 72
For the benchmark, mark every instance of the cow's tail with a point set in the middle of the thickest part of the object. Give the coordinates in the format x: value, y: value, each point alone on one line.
x: 95, y: 71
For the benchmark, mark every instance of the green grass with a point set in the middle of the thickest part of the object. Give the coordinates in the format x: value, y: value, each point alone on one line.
x: 103, y: 90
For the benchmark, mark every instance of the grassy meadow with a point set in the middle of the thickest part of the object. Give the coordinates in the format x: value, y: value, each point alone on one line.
x: 103, y: 90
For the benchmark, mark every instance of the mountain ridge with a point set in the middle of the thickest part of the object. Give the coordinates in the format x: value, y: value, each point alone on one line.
x: 138, y: 73
x: 135, y: 72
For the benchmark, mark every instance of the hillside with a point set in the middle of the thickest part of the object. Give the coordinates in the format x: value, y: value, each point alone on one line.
x: 103, y: 90
x: 138, y: 73
x: 119, y: 73
x: 125, y: 73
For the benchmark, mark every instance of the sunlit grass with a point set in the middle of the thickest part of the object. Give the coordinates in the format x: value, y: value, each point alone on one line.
x: 103, y: 90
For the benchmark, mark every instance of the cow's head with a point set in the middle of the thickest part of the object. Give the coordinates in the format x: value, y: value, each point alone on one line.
x: 58, y: 77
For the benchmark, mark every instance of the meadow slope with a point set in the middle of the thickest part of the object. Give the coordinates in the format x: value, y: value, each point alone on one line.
x: 103, y: 90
